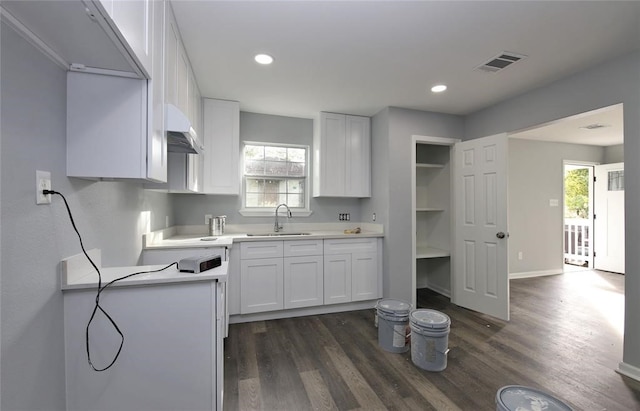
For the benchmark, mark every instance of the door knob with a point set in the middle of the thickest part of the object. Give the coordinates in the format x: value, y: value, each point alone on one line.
x: 501, y: 235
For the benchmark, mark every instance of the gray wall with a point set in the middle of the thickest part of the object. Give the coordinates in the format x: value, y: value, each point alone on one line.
x: 611, y: 83
x: 614, y: 154
x: 535, y: 177
x: 190, y: 209
x: 398, y: 125
x: 35, y: 238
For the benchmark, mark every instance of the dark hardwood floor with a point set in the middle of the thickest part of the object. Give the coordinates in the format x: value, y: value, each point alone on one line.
x: 564, y: 338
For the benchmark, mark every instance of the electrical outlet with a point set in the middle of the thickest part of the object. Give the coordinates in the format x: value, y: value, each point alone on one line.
x: 373, y: 217
x: 207, y: 217
x: 43, y: 182
x: 344, y: 216
x: 520, y: 256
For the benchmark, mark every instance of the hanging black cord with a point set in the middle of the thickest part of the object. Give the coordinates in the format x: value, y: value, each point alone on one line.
x: 97, y: 305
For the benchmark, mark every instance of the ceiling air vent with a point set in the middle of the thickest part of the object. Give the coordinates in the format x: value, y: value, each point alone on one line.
x: 501, y: 61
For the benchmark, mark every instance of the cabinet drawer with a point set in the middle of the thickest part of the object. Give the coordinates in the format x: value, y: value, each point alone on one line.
x: 302, y: 248
x: 351, y: 245
x: 261, y: 249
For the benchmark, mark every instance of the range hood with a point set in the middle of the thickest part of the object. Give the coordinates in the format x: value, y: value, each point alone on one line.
x: 181, y: 137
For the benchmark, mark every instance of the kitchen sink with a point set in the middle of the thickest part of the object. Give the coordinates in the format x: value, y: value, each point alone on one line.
x: 274, y: 234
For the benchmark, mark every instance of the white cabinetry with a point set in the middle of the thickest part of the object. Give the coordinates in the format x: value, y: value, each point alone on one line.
x: 134, y: 20
x: 303, y: 273
x: 342, y: 156
x: 351, y: 270
x: 172, y: 358
x: 107, y: 133
x: 221, y: 147
x: 276, y: 275
x: 433, y: 215
x: 261, y: 276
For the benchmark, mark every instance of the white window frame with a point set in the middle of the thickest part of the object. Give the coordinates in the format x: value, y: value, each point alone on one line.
x: 270, y: 212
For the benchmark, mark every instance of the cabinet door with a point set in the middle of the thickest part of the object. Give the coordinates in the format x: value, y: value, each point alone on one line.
x: 337, y: 278
x: 172, y: 38
x: 221, y: 147
x: 358, y: 157
x: 182, y: 80
x: 364, y: 276
x: 106, y: 126
x: 157, y: 145
x: 261, y: 285
x: 134, y: 20
x: 330, y: 148
x: 303, y: 281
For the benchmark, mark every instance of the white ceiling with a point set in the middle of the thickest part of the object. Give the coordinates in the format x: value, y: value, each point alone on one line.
x: 572, y: 129
x: 358, y: 57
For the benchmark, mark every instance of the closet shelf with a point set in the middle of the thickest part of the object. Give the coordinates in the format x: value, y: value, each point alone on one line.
x: 425, y: 209
x: 429, y: 165
x: 430, y: 252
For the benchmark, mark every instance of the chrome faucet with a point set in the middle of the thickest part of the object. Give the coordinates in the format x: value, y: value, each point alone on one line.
x: 277, y: 227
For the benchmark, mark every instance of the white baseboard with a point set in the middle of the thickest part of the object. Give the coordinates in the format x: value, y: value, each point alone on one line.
x: 530, y: 274
x: 629, y: 371
x: 439, y: 290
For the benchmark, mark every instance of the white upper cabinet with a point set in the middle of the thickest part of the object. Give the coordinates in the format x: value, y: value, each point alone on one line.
x: 134, y: 20
x: 221, y: 147
x: 178, y: 67
x: 342, y: 156
x: 157, y: 144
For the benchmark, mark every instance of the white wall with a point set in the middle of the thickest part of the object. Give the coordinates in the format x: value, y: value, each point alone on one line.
x: 611, y: 83
x: 536, y: 176
x: 190, y: 209
x: 35, y: 238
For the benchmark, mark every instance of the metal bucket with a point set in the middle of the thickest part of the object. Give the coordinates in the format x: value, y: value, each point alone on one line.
x: 216, y: 225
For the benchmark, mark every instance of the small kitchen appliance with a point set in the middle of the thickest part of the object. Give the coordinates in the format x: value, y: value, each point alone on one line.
x: 199, y: 264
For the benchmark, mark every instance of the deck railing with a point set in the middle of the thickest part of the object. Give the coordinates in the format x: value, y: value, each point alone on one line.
x: 577, y: 241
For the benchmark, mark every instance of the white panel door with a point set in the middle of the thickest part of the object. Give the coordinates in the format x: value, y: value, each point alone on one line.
x: 261, y: 285
x: 364, y: 276
x: 337, y: 278
x: 480, y: 266
x: 303, y: 281
x: 609, y: 221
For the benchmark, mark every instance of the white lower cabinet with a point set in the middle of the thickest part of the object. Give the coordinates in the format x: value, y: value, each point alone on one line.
x: 351, y: 270
x: 261, y: 285
x: 303, y: 274
x: 293, y: 274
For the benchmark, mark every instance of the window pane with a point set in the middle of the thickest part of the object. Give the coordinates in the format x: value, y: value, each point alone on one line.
x: 255, y: 185
x: 272, y: 186
x: 274, y: 175
x: 297, y: 154
x: 275, y: 168
x: 297, y: 169
x: 295, y: 186
x: 254, y: 200
x: 616, y: 180
x: 254, y: 167
x: 295, y: 200
x: 253, y: 152
x: 275, y: 153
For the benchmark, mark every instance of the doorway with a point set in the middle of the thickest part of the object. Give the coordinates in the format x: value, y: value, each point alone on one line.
x: 578, y: 216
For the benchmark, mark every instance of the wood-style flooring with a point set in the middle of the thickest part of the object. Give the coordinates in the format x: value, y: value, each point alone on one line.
x: 564, y: 337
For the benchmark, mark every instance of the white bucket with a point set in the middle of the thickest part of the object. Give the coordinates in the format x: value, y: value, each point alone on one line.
x: 517, y: 397
x: 393, y: 320
x: 429, y: 339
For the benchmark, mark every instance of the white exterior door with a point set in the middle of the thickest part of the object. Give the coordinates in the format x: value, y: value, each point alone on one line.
x: 480, y: 277
x: 609, y: 220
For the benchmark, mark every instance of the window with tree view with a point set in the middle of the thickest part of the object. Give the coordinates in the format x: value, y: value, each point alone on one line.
x: 274, y: 174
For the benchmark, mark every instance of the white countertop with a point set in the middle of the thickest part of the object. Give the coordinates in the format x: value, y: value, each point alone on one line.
x: 77, y: 273
x: 196, y: 236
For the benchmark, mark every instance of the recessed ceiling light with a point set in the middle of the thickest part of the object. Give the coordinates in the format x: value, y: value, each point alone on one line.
x: 263, y: 59
x: 439, y: 88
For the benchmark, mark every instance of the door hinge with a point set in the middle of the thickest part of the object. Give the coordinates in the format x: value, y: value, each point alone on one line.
x: 594, y: 179
x: 594, y: 216
x: 594, y: 254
